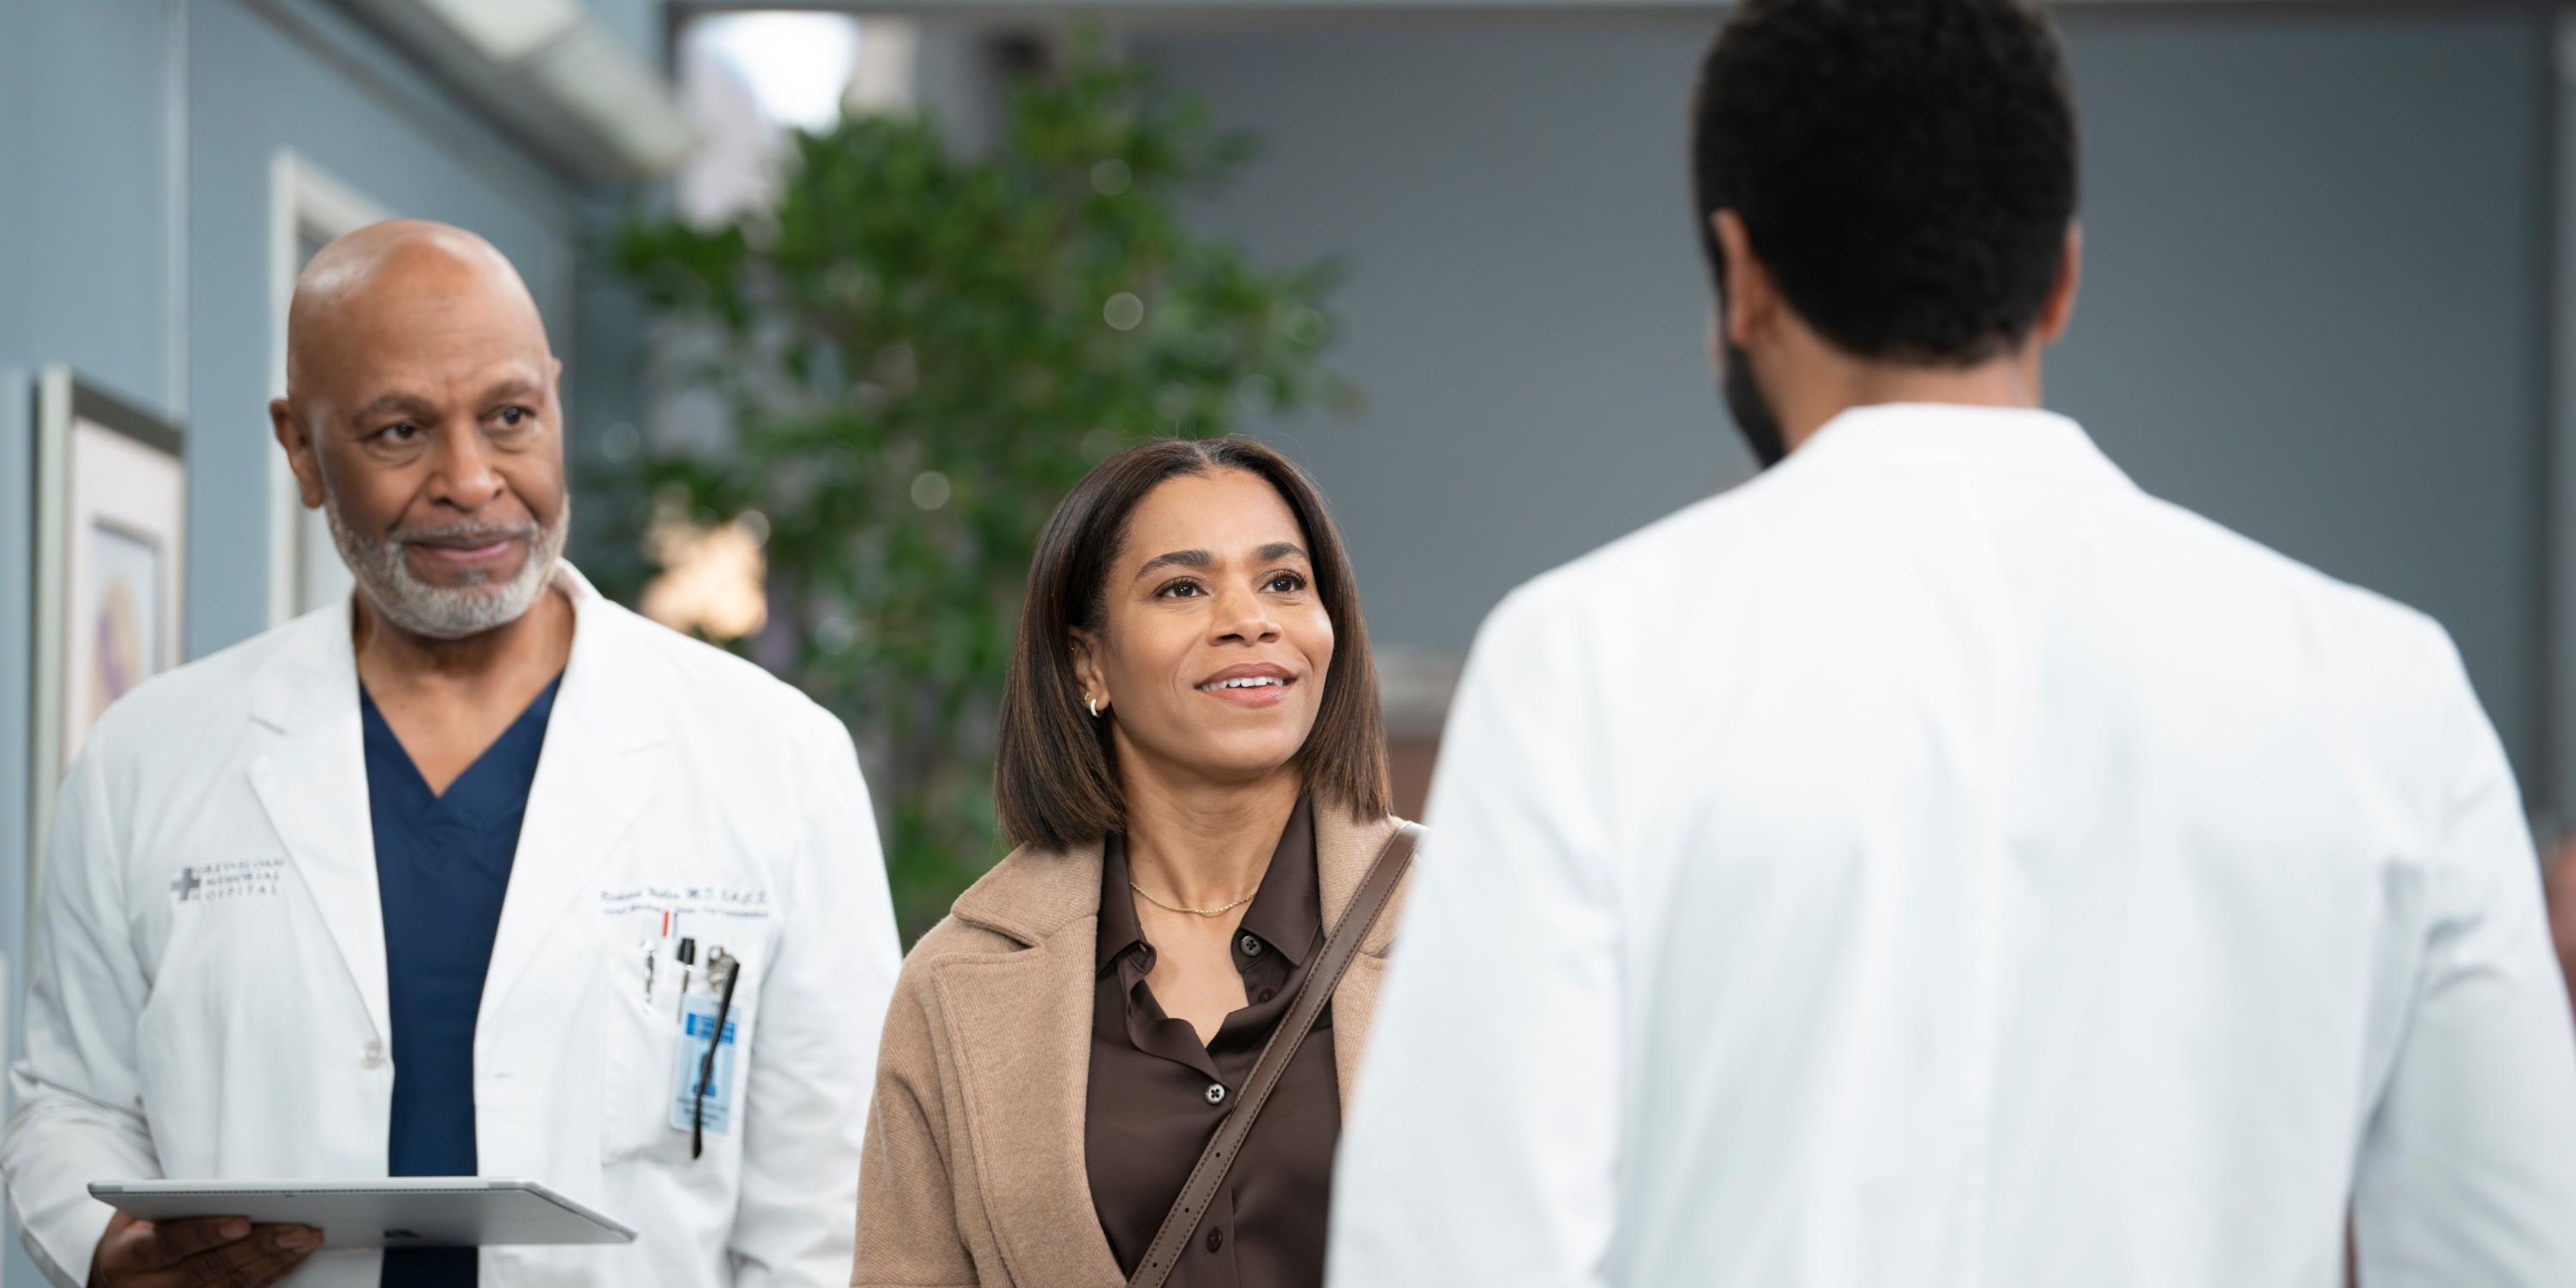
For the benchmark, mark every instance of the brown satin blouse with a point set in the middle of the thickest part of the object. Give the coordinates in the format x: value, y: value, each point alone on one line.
x: 1156, y: 1095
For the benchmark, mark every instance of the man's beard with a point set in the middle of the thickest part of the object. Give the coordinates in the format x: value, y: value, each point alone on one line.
x: 1752, y: 411
x: 382, y: 568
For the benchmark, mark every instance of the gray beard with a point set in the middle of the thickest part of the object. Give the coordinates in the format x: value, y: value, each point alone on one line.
x: 383, y: 573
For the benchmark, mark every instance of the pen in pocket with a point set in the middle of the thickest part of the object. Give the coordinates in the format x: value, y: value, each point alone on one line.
x: 687, y: 956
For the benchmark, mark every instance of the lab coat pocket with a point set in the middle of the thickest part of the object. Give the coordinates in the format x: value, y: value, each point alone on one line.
x: 643, y: 1037
x: 647, y: 1083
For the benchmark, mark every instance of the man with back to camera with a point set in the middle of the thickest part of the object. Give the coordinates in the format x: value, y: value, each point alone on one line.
x: 430, y: 883
x: 1937, y: 862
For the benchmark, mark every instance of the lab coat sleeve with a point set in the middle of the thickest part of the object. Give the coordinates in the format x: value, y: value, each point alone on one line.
x: 79, y: 1091
x: 822, y: 1000
x: 2467, y: 1171
x: 1481, y: 1146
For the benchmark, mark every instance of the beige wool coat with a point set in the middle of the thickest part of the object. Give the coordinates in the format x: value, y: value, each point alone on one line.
x: 973, y: 1175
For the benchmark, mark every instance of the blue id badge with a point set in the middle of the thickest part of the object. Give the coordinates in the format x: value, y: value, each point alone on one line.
x: 697, y: 1026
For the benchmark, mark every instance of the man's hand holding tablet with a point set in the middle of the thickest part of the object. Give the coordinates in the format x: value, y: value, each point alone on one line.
x: 221, y: 1250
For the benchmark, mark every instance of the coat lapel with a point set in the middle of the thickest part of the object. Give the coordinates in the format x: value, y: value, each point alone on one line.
x: 312, y: 782
x: 1345, y: 848
x: 598, y: 769
x: 1021, y: 1023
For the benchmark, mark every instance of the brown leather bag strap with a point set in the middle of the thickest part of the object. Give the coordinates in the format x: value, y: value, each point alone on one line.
x: 1182, y: 1222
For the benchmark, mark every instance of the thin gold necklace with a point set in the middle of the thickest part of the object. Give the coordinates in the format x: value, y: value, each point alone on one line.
x: 1195, y: 912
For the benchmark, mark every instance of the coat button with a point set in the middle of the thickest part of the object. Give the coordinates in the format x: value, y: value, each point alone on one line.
x: 1216, y: 1239
x: 375, y: 1055
x: 1216, y: 1093
x: 1251, y: 945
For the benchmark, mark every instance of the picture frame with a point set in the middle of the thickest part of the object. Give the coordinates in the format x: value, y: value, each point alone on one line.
x: 308, y: 209
x: 111, y: 569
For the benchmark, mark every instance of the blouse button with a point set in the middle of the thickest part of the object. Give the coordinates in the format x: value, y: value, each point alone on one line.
x: 1216, y: 1093
x: 374, y: 1056
x: 1251, y: 946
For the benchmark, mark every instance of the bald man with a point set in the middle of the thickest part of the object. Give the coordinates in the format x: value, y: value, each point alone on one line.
x: 475, y: 873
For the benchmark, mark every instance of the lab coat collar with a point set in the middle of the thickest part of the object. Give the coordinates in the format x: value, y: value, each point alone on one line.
x: 2002, y: 440
x: 312, y: 780
x: 592, y: 779
x: 601, y: 765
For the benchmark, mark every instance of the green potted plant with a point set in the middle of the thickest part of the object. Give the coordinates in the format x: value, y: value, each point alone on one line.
x: 919, y: 353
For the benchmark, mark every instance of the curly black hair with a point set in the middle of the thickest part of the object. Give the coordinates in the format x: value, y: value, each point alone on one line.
x: 1905, y: 169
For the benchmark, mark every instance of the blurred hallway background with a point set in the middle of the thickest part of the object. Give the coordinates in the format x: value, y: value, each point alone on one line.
x: 2327, y: 303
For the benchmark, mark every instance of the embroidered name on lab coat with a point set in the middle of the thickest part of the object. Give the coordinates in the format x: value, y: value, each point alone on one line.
x: 688, y: 900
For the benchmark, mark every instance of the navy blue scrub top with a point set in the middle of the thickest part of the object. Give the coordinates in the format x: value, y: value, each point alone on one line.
x: 442, y: 868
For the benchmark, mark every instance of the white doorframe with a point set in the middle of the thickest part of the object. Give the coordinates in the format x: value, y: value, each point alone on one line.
x: 305, y: 204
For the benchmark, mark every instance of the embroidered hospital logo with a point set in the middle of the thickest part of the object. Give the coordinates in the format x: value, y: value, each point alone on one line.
x: 235, y: 879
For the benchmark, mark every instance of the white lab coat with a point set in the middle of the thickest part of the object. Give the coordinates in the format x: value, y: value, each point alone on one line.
x: 1938, y: 863
x: 209, y: 993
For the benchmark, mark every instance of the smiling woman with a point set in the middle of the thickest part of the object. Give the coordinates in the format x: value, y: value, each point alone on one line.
x: 1142, y: 544
x: 1192, y: 764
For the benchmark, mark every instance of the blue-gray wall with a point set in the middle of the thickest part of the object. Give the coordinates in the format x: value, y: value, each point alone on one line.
x: 2315, y: 307
x: 86, y: 277
x: 1525, y: 311
x: 2318, y: 305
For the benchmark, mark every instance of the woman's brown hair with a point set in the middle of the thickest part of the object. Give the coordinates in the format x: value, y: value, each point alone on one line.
x: 1055, y: 776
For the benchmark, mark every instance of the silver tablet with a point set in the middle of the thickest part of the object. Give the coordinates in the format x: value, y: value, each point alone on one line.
x: 398, y: 1212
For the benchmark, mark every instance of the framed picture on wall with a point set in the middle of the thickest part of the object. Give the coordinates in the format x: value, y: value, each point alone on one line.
x: 308, y: 209
x: 111, y: 565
